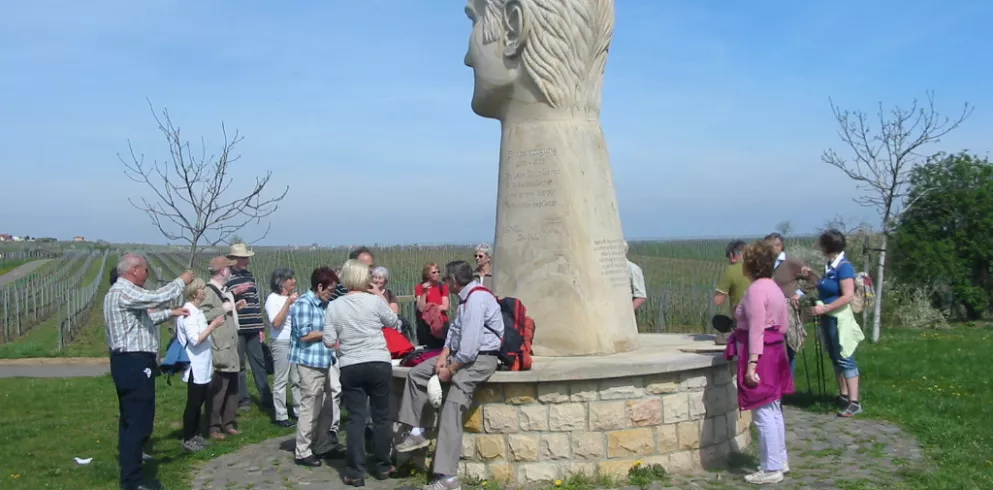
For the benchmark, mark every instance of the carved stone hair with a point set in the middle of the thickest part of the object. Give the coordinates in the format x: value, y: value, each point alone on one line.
x: 565, y: 51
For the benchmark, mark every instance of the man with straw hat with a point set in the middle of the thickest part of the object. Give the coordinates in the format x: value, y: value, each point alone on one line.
x: 250, y: 327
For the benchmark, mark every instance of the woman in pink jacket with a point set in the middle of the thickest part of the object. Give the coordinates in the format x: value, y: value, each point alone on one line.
x: 763, y: 368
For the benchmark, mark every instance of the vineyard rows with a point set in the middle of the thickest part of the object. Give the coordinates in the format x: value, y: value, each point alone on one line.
x: 33, y: 298
x: 680, y: 290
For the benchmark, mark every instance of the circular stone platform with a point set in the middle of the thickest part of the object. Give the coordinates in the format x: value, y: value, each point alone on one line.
x: 672, y: 401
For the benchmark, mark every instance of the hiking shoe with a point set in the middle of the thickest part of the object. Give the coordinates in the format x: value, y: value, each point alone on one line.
x: 764, y: 477
x: 444, y: 483
x: 413, y: 443
x: 200, y: 440
x: 312, y: 461
x: 191, y: 446
x: 853, y: 409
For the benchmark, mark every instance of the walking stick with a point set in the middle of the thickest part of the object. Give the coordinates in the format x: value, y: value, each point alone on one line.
x: 819, y: 358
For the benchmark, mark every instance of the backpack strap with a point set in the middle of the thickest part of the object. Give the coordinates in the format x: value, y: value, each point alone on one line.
x: 483, y: 288
x: 224, y: 299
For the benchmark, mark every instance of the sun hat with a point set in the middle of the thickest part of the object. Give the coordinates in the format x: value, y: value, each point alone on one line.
x: 218, y: 263
x: 240, y: 250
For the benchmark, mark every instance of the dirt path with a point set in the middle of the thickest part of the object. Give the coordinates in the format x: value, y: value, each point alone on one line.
x: 54, y: 367
x: 21, y: 271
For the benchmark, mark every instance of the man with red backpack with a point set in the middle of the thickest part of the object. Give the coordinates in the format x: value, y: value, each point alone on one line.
x: 470, y: 356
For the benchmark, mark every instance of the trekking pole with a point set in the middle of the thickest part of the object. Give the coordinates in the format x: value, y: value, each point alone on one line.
x: 821, y: 383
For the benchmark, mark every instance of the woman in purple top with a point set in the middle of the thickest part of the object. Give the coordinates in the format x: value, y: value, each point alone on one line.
x: 763, y: 368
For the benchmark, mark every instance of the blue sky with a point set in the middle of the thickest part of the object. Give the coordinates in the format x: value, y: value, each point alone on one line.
x: 362, y: 108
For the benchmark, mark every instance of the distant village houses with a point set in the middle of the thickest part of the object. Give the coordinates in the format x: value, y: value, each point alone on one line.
x: 6, y: 238
x: 78, y: 238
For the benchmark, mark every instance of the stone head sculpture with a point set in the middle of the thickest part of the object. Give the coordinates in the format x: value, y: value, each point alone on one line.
x: 538, y: 57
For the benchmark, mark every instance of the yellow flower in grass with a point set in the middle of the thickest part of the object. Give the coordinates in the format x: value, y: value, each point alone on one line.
x: 558, y: 483
x: 637, y: 464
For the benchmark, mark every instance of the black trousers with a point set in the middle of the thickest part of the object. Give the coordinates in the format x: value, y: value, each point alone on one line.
x: 134, y: 377
x: 196, y: 398
x: 425, y: 338
x: 365, y: 388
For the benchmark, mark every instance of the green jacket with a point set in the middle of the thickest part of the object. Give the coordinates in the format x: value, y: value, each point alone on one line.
x: 224, y: 339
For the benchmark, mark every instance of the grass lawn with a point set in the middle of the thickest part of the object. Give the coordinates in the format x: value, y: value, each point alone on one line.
x: 936, y: 385
x: 48, y: 422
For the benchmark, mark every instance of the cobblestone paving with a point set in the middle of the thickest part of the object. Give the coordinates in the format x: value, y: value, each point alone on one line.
x: 826, y: 452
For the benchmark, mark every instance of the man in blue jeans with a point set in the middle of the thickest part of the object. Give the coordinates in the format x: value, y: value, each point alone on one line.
x: 132, y: 315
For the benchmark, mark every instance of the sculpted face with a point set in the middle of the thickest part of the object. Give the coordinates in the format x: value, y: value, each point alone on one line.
x: 493, y: 77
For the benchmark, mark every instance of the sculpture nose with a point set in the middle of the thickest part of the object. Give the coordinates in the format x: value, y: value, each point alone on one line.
x: 467, y: 60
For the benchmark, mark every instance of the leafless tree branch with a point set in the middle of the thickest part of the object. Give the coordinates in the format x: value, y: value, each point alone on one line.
x: 881, y: 162
x: 881, y: 158
x: 190, y: 201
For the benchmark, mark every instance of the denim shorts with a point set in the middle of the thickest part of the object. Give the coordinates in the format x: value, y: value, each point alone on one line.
x: 842, y: 365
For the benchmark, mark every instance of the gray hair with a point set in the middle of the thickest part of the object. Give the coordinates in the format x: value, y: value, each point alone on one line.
x: 485, y: 248
x: 128, y: 262
x: 278, y: 277
x: 459, y: 271
x: 382, y: 272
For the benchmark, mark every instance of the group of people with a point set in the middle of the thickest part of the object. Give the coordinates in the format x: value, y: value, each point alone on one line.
x: 764, y: 285
x: 327, y: 345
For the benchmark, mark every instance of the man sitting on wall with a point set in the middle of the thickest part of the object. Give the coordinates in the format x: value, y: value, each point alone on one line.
x: 467, y: 361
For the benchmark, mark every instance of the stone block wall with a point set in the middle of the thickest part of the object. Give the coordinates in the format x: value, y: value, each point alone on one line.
x: 528, y: 432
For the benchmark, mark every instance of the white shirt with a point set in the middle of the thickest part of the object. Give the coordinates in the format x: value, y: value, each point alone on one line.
x: 638, y: 289
x: 273, y: 304
x: 188, y: 330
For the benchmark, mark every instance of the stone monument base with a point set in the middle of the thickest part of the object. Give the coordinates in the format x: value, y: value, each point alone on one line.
x: 672, y: 401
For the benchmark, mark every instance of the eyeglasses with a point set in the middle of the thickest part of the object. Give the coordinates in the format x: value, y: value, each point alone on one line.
x: 479, y: 256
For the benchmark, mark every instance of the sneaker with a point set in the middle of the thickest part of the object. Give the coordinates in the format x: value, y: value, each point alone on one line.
x: 191, y: 446
x: 444, y: 483
x: 334, y: 438
x: 286, y: 424
x: 413, y: 443
x: 200, y: 440
x: 853, y: 409
x: 785, y: 470
x: 842, y: 401
x: 764, y: 477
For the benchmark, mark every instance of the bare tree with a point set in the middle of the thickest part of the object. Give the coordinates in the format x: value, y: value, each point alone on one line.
x: 784, y: 228
x: 881, y: 160
x: 192, y: 201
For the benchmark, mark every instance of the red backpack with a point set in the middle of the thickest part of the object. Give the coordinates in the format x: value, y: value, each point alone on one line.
x: 397, y: 343
x: 518, y: 333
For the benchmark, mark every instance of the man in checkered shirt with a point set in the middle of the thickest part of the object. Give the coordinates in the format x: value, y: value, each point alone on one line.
x: 132, y: 314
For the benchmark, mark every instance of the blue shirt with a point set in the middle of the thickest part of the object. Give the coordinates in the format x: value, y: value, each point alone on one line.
x: 829, y: 287
x: 306, y: 316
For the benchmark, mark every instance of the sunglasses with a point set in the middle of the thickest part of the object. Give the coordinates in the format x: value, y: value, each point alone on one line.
x: 479, y: 256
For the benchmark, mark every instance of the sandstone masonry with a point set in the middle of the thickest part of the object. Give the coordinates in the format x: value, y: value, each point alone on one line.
x: 528, y: 432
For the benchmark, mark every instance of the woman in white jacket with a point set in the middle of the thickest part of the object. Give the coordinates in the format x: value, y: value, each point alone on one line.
x: 193, y: 333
